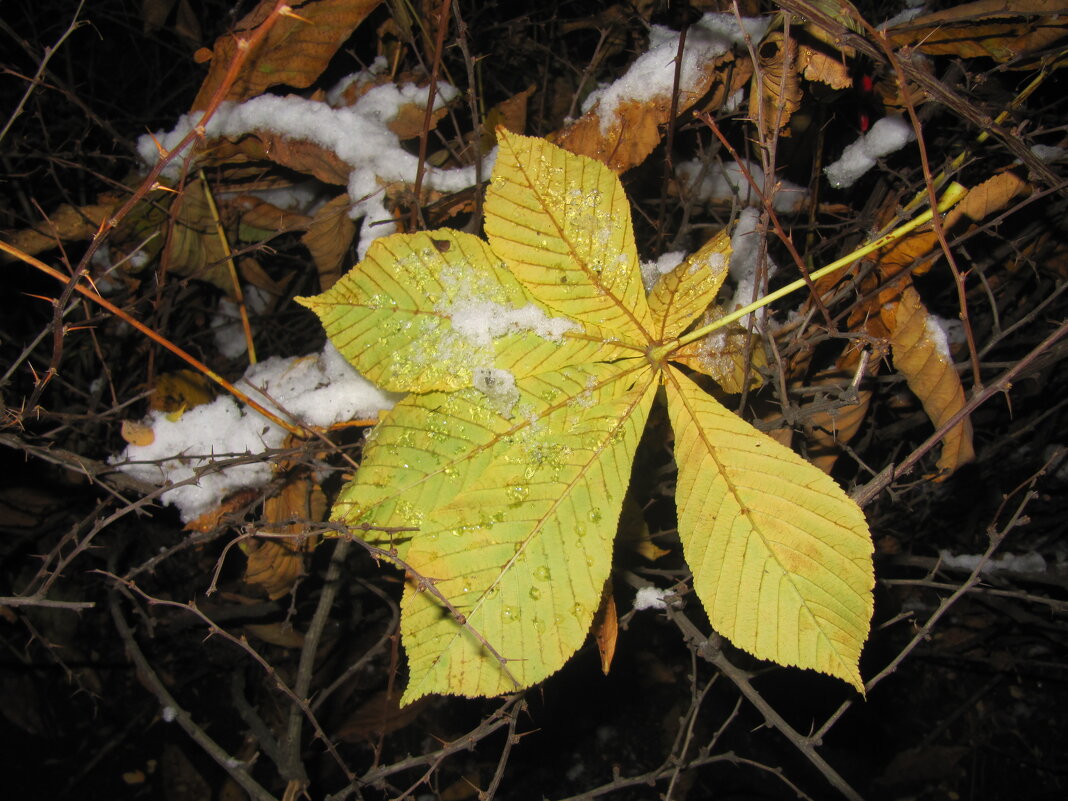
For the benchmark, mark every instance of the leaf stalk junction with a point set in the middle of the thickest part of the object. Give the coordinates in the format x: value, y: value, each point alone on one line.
x: 953, y: 194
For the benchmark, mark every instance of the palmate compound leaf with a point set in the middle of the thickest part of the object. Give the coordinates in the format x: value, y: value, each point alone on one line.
x: 532, y: 363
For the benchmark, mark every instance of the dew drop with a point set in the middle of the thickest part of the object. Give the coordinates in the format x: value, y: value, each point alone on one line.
x: 542, y: 574
x: 510, y: 614
x: 594, y: 514
x: 579, y: 611
x: 580, y: 529
x: 535, y: 594
x: 539, y: 625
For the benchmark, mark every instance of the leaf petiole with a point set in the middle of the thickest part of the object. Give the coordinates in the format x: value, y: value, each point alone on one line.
x: 953, y: 194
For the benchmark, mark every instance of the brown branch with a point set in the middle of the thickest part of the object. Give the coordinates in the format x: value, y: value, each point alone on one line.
x: 428, y: 112
x: 233, y: 767
x: 243, y: 645
x: 290, y: 746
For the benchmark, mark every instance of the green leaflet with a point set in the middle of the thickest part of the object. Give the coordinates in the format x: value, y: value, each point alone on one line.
x: 532, y: 363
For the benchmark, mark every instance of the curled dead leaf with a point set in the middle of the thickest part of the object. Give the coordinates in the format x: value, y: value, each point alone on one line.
x: 922, y: 357
x: 606, y: 627
x: 776, y: 92
x: 820, y: 60
x: 274, y: 565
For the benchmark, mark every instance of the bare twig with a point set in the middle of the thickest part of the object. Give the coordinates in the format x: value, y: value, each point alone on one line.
x: 170, y: 707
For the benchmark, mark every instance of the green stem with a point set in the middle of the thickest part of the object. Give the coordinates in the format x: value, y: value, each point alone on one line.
x: 954, y: 192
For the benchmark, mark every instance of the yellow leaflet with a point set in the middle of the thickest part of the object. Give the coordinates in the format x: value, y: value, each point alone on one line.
x: 781, y: 557
x: 562, y: 222
x: 423, y: 310
x: 524, y: 549
x: 681, y: 295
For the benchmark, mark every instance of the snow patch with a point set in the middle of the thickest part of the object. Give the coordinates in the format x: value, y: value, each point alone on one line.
x: 226, y: 326
x: 1022, y: 563
x: 651, y: 598
x: 652, y: 270
x: 358, y: 135
x: 886, y: 136
x: 727, y: 182
x: 498, y: 386
x: 317, y: 390
x: 746, y: 244
x: 482, y: 321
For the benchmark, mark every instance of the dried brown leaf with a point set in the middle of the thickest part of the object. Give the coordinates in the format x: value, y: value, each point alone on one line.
x: 380, y: 715
x: 281, y: 634
x: 213, y: 518
x: 329, y: 238
x: 634, y: 533
x: 827, y: 431
x: 274, y: 565
x: 257, y: 213
x: 65, y: 224
x: 1004, y: 30
x: 179, y: 390
x: 635, y: 130
x: 818, y: 59
x: 776, y: 91
x: 606, y: 627
x: 411, y: 117
x: 294, y: 52
x: 930, y: 374
x: 510, y: 113
x: 305, y: 157
x: 921, y: 248
x: 194, y: 249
